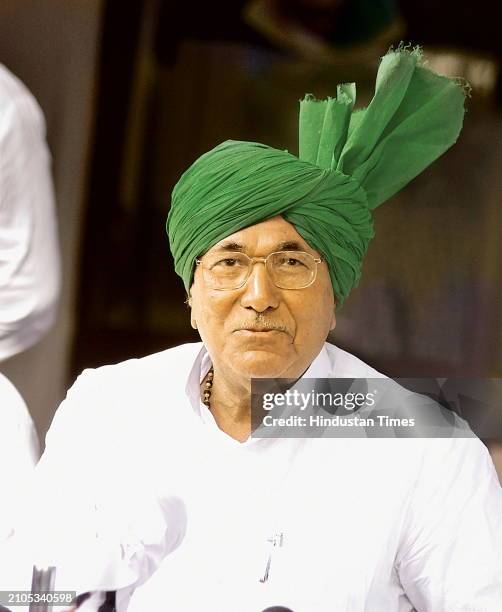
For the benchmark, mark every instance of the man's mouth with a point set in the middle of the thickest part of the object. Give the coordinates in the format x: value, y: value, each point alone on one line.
x: 260, y: 329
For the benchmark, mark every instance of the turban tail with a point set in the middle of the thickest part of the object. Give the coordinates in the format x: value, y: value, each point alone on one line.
x: 349, y: 163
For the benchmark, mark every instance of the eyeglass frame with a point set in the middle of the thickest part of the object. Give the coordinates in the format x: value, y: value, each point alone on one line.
x: 253, y: 260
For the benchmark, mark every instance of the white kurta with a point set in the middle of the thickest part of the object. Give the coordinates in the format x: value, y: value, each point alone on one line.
x: 18, y: 453
x: 366, y: 525
x: 29, y: 252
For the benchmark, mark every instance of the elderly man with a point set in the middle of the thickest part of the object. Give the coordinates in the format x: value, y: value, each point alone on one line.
x: 267, y: 245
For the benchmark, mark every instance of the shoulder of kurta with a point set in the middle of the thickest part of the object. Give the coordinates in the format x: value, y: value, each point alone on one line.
x: 171, y: 363
x: 347, y: 365
x: 464, y: 458
x: 112, y: 409
x: 132, y: 387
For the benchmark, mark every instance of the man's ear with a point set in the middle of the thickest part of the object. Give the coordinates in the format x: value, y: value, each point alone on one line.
x: 332, y: 325
x: 188, y: 302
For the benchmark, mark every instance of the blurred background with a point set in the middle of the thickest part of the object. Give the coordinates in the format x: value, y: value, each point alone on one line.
x: 134, y: 91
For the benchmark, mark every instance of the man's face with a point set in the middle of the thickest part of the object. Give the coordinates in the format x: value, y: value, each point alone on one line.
x: 231, y: 322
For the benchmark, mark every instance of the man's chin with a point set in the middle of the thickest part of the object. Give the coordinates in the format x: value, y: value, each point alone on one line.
x: 261, y: 364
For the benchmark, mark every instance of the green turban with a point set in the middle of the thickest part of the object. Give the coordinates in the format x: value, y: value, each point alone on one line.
x: 349, y: 163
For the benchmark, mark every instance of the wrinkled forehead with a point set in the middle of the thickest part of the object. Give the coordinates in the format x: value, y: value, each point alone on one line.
x: 275, y: 234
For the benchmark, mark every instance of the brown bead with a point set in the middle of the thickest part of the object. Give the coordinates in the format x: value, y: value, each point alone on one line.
x: 208, y: 384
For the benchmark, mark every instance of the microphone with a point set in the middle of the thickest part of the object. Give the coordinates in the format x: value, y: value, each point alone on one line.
x: 42, y: 580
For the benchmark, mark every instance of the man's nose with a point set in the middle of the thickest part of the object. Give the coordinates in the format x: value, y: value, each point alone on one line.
x: 260, y: 293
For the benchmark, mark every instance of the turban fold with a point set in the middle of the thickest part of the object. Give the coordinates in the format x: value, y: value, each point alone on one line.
x: 349, y: 163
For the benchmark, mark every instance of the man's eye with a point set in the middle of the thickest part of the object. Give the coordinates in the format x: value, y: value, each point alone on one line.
x: 290, y: 261
x: 228, y: 262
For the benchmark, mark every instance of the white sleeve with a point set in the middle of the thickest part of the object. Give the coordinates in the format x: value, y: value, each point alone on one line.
x: 450, y: 557
x: 19, y: 452
x: 29, y: 252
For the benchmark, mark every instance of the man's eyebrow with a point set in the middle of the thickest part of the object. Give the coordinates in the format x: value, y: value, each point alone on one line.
x: 230, y: 246
x: 288, y: 245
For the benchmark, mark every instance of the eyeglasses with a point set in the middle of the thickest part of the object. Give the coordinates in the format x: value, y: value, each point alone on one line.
x: 231, y: 270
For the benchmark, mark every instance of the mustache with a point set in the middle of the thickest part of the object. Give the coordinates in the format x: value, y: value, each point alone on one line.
x: 262, y: 324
